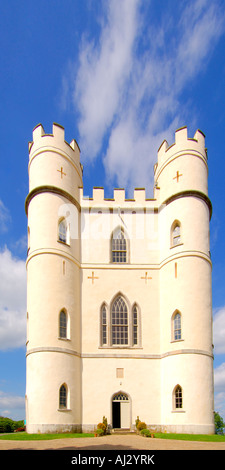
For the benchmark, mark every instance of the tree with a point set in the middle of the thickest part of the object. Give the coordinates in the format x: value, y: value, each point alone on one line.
x: 219, y: 423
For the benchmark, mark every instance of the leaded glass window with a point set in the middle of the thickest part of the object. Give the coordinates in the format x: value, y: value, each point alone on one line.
x: 63, y: 231
x: 176, y: 238
x: 62, y: 325
x: 135, y: 326
x: 104, y: 325
x: 178, y: 397
x: 62, y: 397
x: 119, y: 322
x: 119, y: 247
x: 120, y: 397
x: 177, y: 326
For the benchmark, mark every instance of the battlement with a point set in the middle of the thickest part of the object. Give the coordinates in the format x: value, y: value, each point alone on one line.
x: 182, y: 144
x: 40, y: 138
x: 119, y: 198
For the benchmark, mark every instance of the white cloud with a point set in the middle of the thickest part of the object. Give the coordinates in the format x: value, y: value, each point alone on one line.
x: 219, y: 404
x: 20, y: 246
x: 219, y: 330
x: 12, y: 301
x: 12, y: 406
x: 219, y: 371
x: 5, y: 218
x: 129, y: 82
x: 219, y: 387
x: 103, y: 73
x: 219, y: 378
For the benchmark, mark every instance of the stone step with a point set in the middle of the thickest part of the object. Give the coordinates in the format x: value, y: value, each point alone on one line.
x: 122, y: 431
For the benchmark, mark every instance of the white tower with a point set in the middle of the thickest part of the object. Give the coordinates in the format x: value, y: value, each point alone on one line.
x: 119, y: 329
x: 185, y: 284
x: 53, y: 393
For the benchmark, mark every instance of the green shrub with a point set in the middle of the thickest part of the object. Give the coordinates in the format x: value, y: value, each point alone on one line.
x: 101, y: 427
x: 137, y: 421
x: 6, y: 425
x: 145, y: 432
x: 141, y: 425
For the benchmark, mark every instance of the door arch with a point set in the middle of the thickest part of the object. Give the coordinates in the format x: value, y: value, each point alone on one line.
x: 121, y: 410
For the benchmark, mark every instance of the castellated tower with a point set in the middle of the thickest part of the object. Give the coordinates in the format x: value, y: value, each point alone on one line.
x: 185, y: 280
x: 119, y: 309
x: 53, y: 283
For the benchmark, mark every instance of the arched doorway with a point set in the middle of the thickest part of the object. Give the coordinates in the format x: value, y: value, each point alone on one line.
x: 121, y: 411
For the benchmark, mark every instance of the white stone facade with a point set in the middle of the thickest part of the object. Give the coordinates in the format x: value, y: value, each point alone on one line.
x: 119, y: 304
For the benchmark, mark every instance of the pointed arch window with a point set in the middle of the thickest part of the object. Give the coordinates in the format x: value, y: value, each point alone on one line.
x: 119, y: 247
x: 176, y: 326
x: 63, y: 397
x: 63, y: 324
x: 119, y: 322
x: 178, y: 398
x: 63, y: 231
x: 135, y: 325
x: 103, y: 325
x: 176, y: 233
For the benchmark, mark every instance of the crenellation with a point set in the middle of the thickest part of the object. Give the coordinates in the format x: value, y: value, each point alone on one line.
x: 181, y: 136
x: 38, y: 132
x: 119, y: 194
x: 98, y: 199
x: 98, y: 194
x: 200, y: 138
x: 58, y: 133
x: 139, y: 195
x: 74, y: 145
x: 182, y: 143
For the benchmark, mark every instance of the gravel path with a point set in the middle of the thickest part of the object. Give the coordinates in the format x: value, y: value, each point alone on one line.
x: 112, y: 442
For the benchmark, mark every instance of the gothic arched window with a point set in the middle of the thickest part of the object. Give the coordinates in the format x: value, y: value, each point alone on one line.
x: 62, y: 324
x: 119, y: 247
x: 175, y: 233
x: 63, y: 396
x: 176, y: 326
x: 119, y: 322
x: 103, y: 325
x: 135, y: 325
x: 178, y: 397
x: 63, y: 231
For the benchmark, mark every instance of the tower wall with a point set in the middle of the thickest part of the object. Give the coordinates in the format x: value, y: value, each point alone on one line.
x: 53, y: 283
x: 185, y: 284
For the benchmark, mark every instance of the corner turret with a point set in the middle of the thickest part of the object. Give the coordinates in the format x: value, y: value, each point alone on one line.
x: 182, y: 166
x: 53, y: 163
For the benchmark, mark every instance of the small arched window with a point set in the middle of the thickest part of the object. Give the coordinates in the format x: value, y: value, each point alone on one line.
x: 103, y: 325
x: 178, y: 397
x: 176, y: 326
x: 135, y: 325
x: 119, y: 247
x: 63, y: 324
x: 175, y: 234
x: 63, y: 231
x: 63, y: 396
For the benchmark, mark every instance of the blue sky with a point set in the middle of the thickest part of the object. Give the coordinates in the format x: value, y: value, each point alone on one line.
x: 120, y: 76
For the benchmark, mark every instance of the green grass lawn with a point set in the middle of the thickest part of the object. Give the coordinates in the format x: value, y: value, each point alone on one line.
x: 191, y: 437
x: 23, y: 436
